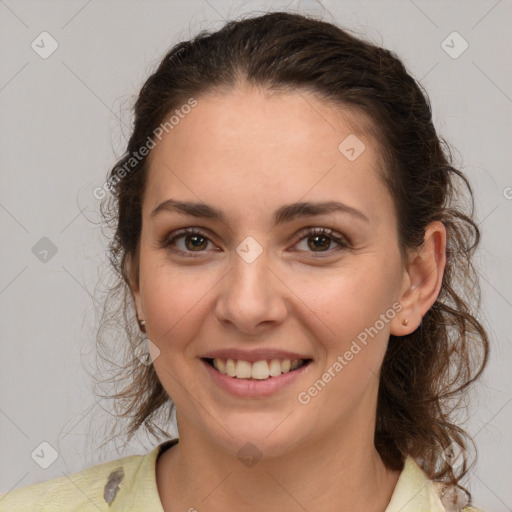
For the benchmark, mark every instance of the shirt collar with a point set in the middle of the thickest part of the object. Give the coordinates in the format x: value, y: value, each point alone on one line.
x: 414, y: 491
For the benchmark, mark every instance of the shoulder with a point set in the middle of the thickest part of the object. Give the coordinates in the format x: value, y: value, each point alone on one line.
x: 91, y: 489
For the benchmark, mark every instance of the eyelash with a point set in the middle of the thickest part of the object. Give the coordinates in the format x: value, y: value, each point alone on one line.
x: 305, y: 233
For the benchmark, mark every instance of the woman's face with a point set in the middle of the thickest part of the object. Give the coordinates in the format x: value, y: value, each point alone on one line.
x: 255, y: 280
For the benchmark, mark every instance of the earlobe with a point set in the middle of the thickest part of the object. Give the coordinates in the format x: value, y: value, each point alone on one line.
x: 423, y: 279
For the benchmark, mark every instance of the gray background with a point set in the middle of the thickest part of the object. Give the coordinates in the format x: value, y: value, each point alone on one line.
x: 63, y: 121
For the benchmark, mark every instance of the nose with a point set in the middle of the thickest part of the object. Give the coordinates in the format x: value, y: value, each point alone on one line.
x: 252, y: 297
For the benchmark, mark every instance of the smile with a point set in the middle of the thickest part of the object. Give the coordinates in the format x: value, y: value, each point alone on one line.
x: 257, y: 379
x: 258, y: 370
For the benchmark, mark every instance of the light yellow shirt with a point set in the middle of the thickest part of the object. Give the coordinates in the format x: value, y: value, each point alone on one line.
x: 129, y: 485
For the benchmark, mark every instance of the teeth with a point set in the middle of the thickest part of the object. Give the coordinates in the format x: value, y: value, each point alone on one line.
x: 230, y: 367
x: 260, y: 370
x: 295, y: 364
x: 221, y: 365
x: 243, y: 370
x: 275, y: 367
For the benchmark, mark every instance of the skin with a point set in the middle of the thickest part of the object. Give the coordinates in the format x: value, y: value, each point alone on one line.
x: 247, y: 153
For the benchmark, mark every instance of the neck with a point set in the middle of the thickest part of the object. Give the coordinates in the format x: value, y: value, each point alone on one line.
x: 333, y: 473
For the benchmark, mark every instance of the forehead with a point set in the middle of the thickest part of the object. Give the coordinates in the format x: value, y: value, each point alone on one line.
x: 247, y: 145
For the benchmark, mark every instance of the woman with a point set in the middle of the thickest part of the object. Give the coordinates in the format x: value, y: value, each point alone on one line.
x: 287, y: 230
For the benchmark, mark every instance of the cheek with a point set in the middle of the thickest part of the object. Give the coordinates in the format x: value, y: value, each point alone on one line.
x: 342, y: 309
x: 174, y: 302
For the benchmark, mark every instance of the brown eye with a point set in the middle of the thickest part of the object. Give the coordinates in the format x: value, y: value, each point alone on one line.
x: 187, y: 241
x: 320, y: 240
x: 195, y: 242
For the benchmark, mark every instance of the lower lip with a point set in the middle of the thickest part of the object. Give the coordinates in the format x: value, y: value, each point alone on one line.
x: 252, y: 388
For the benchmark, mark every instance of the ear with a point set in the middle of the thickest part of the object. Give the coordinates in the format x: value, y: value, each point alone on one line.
x: 423, y: 278
x: 132, y: 271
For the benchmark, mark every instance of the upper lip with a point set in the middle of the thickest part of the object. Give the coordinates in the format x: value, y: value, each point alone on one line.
x: 259, y: 354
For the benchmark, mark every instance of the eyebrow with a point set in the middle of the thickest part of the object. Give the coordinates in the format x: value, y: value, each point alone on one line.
x: 282, y: 215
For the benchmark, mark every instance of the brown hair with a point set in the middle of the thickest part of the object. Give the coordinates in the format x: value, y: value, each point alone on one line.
x: 424, y: 375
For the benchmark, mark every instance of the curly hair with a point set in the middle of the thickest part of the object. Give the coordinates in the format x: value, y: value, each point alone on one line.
x: 424, y: 375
